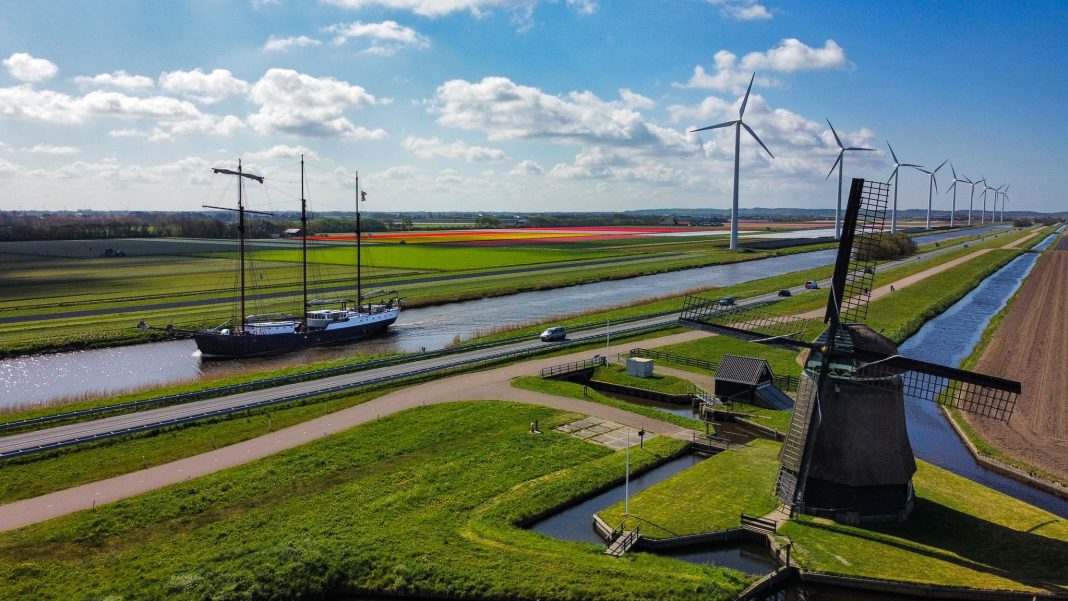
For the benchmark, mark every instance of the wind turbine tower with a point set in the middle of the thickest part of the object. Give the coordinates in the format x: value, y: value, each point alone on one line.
x: 971, y: 199
x: 738, y: 125
x: 893, y: 210
x: 932, y: 185
x: 953, y: 186
x: 1004, y: 198
x: 840, y: 163
x: 986, y: 188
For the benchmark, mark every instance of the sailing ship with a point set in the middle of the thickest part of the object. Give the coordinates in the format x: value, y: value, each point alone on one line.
x: 323, y: 322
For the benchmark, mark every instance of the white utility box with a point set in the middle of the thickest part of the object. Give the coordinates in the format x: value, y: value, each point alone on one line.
x: 642, y: 368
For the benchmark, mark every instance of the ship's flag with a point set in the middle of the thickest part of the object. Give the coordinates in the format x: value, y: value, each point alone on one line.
x: 363, y: 196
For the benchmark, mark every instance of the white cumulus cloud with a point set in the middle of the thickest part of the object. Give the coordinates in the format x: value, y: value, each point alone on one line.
x: 299, y: 104
x: 281, y: 151
x: 742, y: 10
x: 24, y: 67
x: 385, y: 38
x: 527, y: 167
x: 207, y: 88
x: 506, y: 110
x: 430, y: 148
x: 283, y: 44
x: 791, y: 55
x: 116, y: 79
x: 50, y: 149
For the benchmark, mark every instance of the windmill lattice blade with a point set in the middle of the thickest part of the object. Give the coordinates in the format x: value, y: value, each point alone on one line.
x: 757, y: 138
x: 836, y: 138
x: 717, y: 126
x: 749, y: 322
x: 862, y: 231
x: 793, y: 447
x: 968, y: 391
x: 836, y: 161
x: 741, y: 111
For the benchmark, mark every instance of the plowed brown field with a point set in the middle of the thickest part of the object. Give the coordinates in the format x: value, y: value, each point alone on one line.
x: 1031, y: 346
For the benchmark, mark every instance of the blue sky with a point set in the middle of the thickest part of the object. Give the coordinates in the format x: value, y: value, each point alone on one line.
x: 524, y: 105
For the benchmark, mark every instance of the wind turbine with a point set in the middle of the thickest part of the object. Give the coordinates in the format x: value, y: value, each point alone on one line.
x: 932, y: 185
x: 1004, y: 197
x: 994, y: 209
x: 971, y: 199
x: 986, y: 188
x: 953, y: 186
x: 840, y: 163
x: 897, y: 165
x: 738, y: 125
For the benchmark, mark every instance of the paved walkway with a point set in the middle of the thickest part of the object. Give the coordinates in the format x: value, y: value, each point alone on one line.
x: 489, y: 384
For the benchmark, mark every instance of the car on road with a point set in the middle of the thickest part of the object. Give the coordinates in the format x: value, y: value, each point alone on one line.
x: 727, y: 301
x: 812, y: 285
x: 785, y: 292
x: 552, y: 334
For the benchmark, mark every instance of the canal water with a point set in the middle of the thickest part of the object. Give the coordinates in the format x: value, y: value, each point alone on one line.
x: 576, y: 523
x: 948, y: 339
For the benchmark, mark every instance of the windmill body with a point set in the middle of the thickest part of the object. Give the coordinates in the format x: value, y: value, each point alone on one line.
x: 738, y: 125
x: 847, y: 455
x: 861, y: 463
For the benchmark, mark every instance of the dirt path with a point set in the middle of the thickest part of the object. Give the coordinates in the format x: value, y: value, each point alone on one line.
x: 1031, y: 345
x: 489, y: 384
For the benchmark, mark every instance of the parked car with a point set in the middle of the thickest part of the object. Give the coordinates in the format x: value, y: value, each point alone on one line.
x: 785, y: 292
x: 551, y: 334
x: 812, y: 285
x: 869, y: 270
x: 727, y: 301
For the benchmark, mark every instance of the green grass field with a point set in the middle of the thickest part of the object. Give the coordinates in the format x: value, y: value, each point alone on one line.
x: 422, y: 503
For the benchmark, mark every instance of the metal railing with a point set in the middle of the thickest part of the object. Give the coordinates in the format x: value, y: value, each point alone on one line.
x: 566, y: 369
x: 758, y: 524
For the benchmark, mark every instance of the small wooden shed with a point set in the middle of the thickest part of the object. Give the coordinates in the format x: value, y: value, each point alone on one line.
x: 738, y: 378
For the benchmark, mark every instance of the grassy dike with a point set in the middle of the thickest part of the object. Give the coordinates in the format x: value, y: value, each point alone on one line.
x: 426, y: 502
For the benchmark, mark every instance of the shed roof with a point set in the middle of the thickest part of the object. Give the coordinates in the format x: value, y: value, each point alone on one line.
x: 743, y: 370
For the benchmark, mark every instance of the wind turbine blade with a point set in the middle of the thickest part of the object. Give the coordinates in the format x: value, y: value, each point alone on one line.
x: 857, y: 148
x: 717, y: 126
x: 892, y: 173
x: 951, y: 186
x: 910, y: 165
x: 942, y: 165
x: 918, y: 168
x: 836, y: 138
x: 757, y: 138
x: 934, y: 180
x: 896, y: 162
x: 745, y: 100
x: 836, y: 161
x: 954, y: 171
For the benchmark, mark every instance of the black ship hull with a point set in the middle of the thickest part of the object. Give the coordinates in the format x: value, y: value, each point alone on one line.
x: 217, y: 345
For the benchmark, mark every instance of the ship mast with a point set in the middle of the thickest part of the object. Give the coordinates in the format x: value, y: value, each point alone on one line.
x: 303, y: 238
x: 359, y: 262
x: 241, y: 210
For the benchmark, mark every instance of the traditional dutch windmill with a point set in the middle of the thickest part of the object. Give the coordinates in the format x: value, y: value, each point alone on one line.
x: 847, y: 454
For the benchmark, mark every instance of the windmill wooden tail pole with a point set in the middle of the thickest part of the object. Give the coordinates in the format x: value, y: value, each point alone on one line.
x: 847, y: 454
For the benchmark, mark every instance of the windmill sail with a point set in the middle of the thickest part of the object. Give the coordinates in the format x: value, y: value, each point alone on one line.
x: 750, y: 322
x: 854, y: 271
x: 968, y: 391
